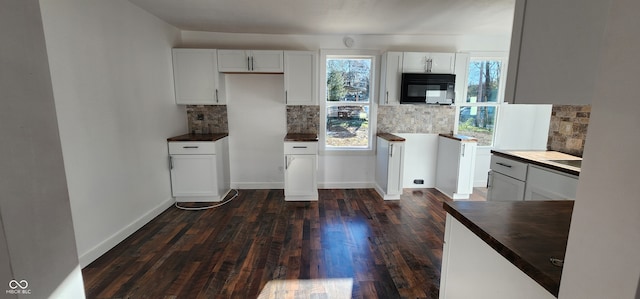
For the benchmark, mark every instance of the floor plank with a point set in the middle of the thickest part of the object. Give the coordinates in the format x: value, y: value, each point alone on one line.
x: 388, y: 249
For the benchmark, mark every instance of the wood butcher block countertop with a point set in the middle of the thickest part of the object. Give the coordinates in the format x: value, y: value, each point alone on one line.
x: 301, y: 137
x: 390, y: 137
x: 461, y: 138
x: 526, y: 233
x: 199, y: 137
x: 542, y: 158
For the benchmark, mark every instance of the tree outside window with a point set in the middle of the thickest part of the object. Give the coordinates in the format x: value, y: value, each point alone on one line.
x: 478, y: 113
x: 348, y: 102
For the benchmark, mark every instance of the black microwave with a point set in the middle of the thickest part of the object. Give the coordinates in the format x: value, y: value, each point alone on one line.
x: 427, y: 88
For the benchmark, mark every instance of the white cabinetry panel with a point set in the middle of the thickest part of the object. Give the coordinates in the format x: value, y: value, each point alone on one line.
x: 424, y: 62
x: 390, y: 80
x: 389, y: 168
x: 548, y: 184
x: 300, y: 77
x: 247, y: 61
x: 300, y: 171
x: 196, y: 77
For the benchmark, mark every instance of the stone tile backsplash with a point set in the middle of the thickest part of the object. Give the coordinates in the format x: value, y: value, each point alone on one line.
x: 432, y: 119
x: 303, y: 119
x: 568, y: 128
x: 214, y: 118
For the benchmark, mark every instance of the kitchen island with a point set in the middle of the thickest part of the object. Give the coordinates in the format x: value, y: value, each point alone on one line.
x: 504, y: 249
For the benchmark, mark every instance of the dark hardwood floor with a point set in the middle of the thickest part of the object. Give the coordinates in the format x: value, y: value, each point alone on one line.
x: 390, y: 249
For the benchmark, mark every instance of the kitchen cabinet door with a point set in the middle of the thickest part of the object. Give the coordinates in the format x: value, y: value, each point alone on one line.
x: 425, y: 62
x: 554, y: 50
x: 265, y: 61
x: 390, y: 80
x: 548, y: 184
x: 389, y: 168
x: 504, y: 188
x: 462, y: 75
x: 248, y: 61
x: 193, y: 176
x: 455, y: 167
x: 300, y: 182
x: 300, y: 77
x: 196, y: 77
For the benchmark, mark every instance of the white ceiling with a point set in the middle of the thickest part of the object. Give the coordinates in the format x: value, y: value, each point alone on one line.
x: 336, y: 16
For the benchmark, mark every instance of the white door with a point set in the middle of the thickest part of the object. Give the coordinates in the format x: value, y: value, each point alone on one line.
x: 504, y: 188
x: 195, y: 76
x: 442, y: 63
x: 234, y: 61
x: 548, y: 184
x: 396, y: 152
x: 300, y: 77
x: 300, y: 175
x: 193, y: 175
x: 267, y: 61
x: 390, y: 84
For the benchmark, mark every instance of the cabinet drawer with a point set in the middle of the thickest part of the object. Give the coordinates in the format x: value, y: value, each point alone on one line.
x: 192, y: 148
x: 512, y: 168
x: 301, y: 148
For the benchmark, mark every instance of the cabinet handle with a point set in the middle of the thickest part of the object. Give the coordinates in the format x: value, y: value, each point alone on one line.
x: 248, y: 65
x: 429, y: 65
x: 505, y: 165
x: 464, y: 146
x: 190, y: 146
x: 390, y: 150
x: 286, y: 97
x: 170, y: 163
x: 387, y: 101
x: 489, y: 177
x: 216, y: 95
x: 286, y: 163
x: 252, y: 63
x: 299, y: 146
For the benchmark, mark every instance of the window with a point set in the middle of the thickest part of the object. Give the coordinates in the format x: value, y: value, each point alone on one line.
x: 477, y: 116
x: 348, y: 102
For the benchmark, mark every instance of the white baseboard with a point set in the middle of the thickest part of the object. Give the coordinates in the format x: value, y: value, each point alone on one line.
x: 346, y: 185
x: 94, y: 253
x: 257, y: 185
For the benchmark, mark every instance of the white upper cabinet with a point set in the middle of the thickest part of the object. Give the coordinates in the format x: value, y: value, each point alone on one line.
x: 554, y: 51
x: 300, y: 77
x: 196, y: 78
x: 426, y: 62
x: 390, y: 77
x: 247, y: 61
x: 462, y: 76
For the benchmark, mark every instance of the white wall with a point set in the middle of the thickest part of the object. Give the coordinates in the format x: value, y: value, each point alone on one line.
x: 257, y: 126
x: 420, y: 159
x: 112, y: 82
x: 37, y: 241
x: 442, y: 43
x: 602, y: 259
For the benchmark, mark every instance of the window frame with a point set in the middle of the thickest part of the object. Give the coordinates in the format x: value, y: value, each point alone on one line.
x: 503, y: 58
x: 324, y: 104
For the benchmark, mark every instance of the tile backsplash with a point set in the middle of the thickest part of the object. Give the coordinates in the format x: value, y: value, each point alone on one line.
x: 432, y: 119
x: 213, y: 118
x: 303, y: 119
x: 568, y: 128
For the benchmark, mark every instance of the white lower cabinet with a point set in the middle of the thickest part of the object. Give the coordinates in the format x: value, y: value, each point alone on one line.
x: 199, y: 170
x: 389, y: 168
x: 300, y: 171
x: 504, y: 188
x: 472, y: 269
x: 455, y: 166
x: 548, y: 184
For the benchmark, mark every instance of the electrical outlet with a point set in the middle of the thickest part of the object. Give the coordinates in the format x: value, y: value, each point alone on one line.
x: 418, y: 182
x: 200, y: 116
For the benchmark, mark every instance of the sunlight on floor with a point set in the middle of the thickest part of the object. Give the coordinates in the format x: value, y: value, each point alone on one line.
x: 332, y: 288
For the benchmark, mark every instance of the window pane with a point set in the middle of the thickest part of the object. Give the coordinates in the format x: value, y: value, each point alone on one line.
x: 478, y: 122
x: 484, y: 81
x: 348, y: 79
x: 348, y: 126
